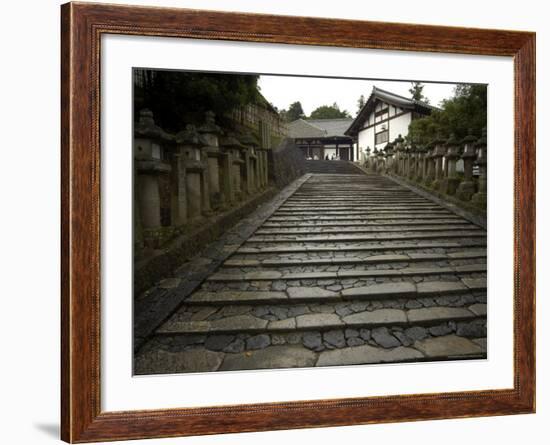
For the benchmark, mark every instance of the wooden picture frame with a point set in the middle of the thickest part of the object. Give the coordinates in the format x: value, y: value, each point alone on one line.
x: 82, y: 28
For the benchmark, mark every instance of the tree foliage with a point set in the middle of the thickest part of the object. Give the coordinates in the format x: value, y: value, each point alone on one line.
x: 329, y: 112
x: 416, y: 92
x: 466, y: 110
x: 294, y: 112
x: 177, y: 98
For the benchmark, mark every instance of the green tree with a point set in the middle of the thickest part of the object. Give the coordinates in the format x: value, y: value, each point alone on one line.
x: 416, y: 92
x: 466, y: 110
x: 294, y: 112
x: 329, y: 112
x: 176, y: 97
x: 360, y: 103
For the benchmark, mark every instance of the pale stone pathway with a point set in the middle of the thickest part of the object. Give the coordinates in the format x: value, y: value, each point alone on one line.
x: 350, y: 269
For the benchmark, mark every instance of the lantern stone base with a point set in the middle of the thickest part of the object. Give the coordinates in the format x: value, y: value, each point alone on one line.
x: 436, y: 184
x: 465, y: 190
x: 449, y: 185
x: 480, y: 199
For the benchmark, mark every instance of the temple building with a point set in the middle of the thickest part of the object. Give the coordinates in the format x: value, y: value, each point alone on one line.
x: 323, y: 138
x: 383, y: 118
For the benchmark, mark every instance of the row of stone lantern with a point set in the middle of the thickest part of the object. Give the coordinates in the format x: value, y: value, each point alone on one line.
x: 435, y: 165
x: 182, y: 178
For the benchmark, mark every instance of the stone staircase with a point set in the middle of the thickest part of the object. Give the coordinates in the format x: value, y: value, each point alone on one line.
x: 351, y: 269
x: 331, y: 167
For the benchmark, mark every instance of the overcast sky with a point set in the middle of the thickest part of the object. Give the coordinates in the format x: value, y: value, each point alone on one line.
x: 313, y: 92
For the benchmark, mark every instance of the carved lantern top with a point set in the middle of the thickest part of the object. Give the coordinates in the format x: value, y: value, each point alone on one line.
x: 469, y: 138
x: 249, y: 140
x: 190, y: 143
x: 146, y: 128
x: 389, y: 149
x: 439, y: 145
x: 452, y: 145
x: 230, y: 143
x: 399, y: 140
x: 189, y: 136
x: 209, y: 125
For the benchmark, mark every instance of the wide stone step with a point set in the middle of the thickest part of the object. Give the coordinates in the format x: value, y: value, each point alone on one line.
x: 374, y: 259
x: 362, y: 223
x: 358, y: 203
x: 199, y: 353
x: 303, y: 294
x: 364, y: 247
x: 319, y: 322
x: 365, y: 196
x: 366, y: 212
x: 366, y: 229
x: 269, y: 275
x: 366, y: 217
x: 361, y: 208
x: 377, y: 237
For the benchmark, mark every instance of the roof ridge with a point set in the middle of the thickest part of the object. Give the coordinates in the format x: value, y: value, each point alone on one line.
x: 420, y: 102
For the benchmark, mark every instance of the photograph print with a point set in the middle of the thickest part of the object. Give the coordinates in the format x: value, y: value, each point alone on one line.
x: 300, y: 222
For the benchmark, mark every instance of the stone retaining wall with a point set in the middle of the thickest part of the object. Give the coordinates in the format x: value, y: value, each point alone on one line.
x: 148, y: 271
x: 286, y: 162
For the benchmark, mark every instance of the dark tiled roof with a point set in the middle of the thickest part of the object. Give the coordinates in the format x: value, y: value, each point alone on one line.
x: 333, y: 127
x: 391, y: 98
x: 318, y: 128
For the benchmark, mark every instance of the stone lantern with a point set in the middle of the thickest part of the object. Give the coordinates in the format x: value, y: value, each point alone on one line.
x: 480, y: 198
x: 193, y: 174
x: 151, y: 144
x: 368, y: 160
x: 233, y: 149
x: 388, y: 150
x: 252, y: 165
x: 374, y: 166
x: 430, y: 164
x: 421, y: 163
x: 209, y: 137
x: 413, y: 153
x: 467, y: 187
x: 380, y: 161
x: 437, y: 155
x: 450, y: 181
x: 400, y: 148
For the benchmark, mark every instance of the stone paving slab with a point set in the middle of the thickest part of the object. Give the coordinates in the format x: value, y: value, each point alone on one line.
x: 366, y: 354
x: 326, y: 321
x: 429, y: 314
x: 270, y: 358
x: 447, y: 347
x: 236, y: 296
x: 159, y: 361
x: 381, y: 290
x: 479, y: 309
x: 475, y: 283
x: 376, y: 318
x: 310, y: 293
